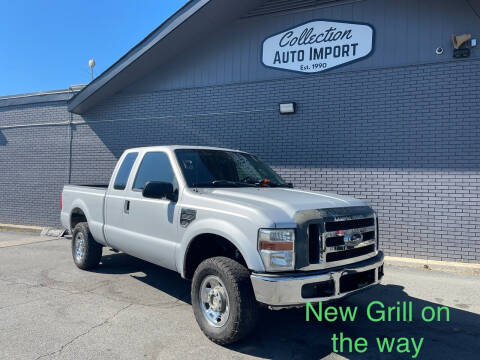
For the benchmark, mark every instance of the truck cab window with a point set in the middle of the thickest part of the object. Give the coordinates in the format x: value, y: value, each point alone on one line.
x: 219, y: 168
x: 124, y: 171
x: 155, y: 166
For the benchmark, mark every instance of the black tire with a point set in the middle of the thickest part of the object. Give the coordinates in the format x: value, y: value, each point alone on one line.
x: 243, y: 309
x: 92, y: 251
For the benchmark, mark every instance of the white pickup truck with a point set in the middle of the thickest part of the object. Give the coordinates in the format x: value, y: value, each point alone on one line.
x: 228, y: 222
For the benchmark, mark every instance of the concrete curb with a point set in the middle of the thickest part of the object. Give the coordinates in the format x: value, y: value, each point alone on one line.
x: 435, y: 265
x: 21, y: 228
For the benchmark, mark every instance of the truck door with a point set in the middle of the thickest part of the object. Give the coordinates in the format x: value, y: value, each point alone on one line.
x: 115, y: 201
x: 150, y: 224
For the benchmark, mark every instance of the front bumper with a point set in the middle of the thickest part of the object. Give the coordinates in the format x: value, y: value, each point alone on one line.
x: 300, y: 288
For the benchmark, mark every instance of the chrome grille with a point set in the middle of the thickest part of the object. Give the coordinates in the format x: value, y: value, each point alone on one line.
x: 348, y: 238
x: 340, y: 240
x: 349, y: 253
x: 349, y: 224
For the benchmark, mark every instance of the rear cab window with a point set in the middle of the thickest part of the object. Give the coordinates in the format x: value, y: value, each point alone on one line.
x: 124, y: 171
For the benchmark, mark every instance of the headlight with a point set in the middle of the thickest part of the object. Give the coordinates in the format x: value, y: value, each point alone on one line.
x: 276, y: 247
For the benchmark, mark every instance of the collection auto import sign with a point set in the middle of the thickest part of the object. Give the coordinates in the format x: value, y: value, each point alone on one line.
x: 318, y: 45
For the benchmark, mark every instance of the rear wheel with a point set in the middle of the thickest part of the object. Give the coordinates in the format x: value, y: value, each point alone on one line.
x: 86, y: 251
x: 223, y: 300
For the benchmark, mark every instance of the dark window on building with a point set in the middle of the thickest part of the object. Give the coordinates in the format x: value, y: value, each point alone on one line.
x: 155, y: 166
x: 124, y: 171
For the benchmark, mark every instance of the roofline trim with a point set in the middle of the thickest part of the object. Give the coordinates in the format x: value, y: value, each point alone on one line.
x: 38, y: 97
x: 169, y: 25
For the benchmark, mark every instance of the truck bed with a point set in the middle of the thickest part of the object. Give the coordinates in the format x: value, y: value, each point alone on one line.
x: 99, y: 186
x: 91, y: 199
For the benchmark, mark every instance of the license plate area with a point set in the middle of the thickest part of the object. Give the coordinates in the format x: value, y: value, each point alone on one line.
x: 356, y: 281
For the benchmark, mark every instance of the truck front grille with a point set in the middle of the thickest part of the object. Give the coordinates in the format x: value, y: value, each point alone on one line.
x: 349, y: 224
x: 339, y: 240
x: 342, y: 240
x: 313, y: 244
x: 347, y: 254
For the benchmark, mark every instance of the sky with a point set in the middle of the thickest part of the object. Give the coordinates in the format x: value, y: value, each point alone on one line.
x: 46, y: 44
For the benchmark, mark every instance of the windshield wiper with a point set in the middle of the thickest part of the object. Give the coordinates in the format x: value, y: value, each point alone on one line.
x: 224, y: 183
x: 266, y: 182
x: 230, y: 182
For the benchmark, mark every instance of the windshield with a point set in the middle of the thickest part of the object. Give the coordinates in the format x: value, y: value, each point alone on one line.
x: 218, y: 168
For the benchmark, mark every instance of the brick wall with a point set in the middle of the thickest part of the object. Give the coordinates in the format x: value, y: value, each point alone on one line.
x: 33, y: 163
x: 404, y: 139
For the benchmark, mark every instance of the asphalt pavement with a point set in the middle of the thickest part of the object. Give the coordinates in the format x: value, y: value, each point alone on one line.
x: 129, y: 309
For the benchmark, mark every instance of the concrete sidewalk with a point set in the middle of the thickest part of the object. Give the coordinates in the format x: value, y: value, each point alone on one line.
x: 20, y: 228
x: 434, y: 265
x: 129, y: 309
x: 14, y: 238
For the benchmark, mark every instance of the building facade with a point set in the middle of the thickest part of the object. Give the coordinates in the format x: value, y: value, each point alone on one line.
x: 398, y: 127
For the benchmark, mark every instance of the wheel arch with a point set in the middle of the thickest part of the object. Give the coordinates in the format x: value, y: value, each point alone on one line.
x: 207, y: 245
x: 77, y: 215
x: 243, y: 238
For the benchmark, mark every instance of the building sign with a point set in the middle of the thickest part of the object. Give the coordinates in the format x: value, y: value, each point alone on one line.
x: 318, y: 46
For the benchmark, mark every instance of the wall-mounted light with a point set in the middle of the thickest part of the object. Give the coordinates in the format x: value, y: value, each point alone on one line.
x: 288, y: 108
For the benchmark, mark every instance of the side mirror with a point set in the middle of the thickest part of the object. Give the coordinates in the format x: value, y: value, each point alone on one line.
x: 159, y: 190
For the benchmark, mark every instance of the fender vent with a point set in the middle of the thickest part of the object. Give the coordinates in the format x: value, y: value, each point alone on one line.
x: 187, y: 216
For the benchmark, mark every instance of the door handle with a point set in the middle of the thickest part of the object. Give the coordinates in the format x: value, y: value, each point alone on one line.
x: 126, y: 206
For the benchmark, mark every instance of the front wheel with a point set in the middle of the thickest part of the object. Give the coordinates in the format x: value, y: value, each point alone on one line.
x: 86, y: 251
x: 223, y: 300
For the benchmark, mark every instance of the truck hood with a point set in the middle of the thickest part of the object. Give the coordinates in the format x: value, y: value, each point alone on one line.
x: 281, y: 204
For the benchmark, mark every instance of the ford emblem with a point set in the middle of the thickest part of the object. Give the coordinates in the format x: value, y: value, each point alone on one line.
x: 353, y: 239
